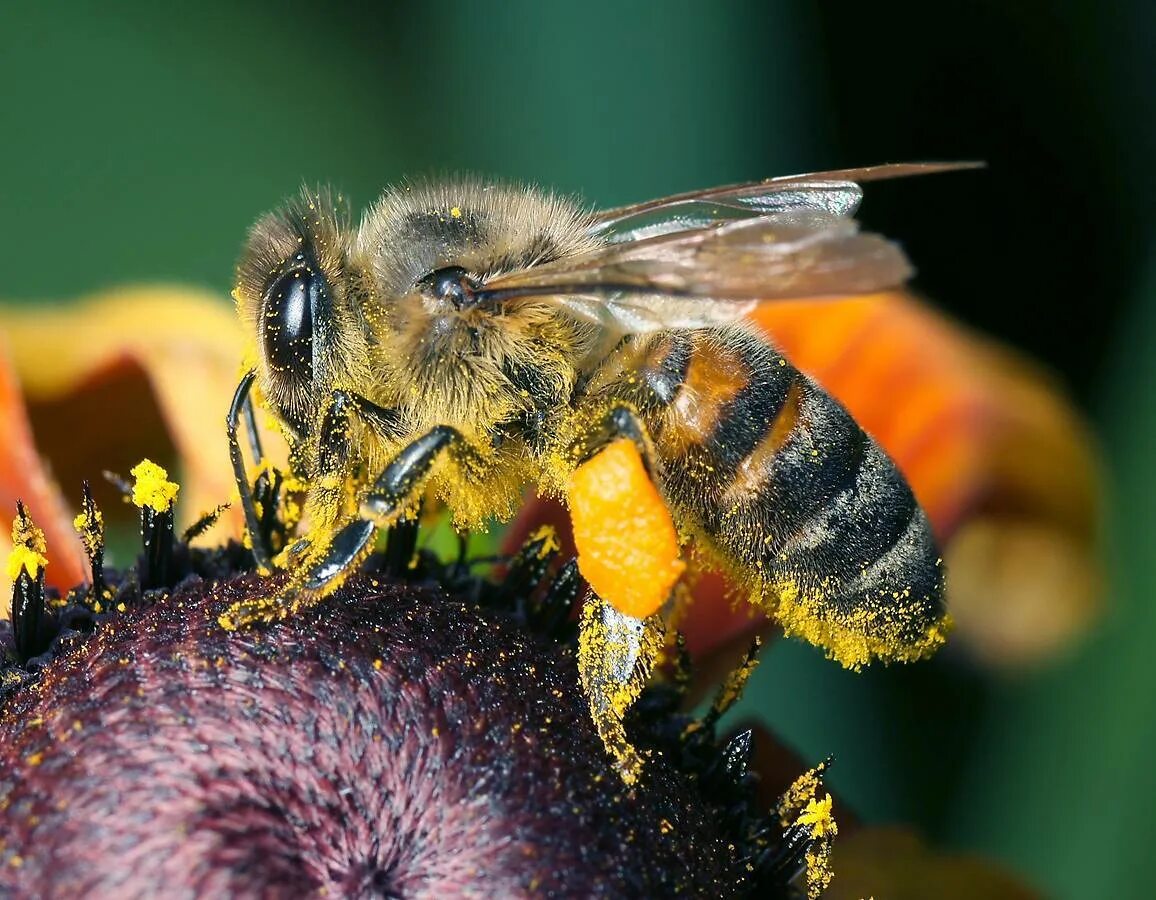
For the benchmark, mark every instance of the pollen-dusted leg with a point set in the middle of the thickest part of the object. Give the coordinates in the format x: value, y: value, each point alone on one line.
x: 616, y: 654
x: 628, y: 551
x: 396, y: 489
x: 320, y: 562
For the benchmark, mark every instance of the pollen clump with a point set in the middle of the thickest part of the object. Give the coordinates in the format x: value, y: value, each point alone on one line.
x: 817, y: 814
x: 28, y: 549
x: 800, y: 807
x: 90, y: 526
x: 151, y: 487
x: 627, y: 544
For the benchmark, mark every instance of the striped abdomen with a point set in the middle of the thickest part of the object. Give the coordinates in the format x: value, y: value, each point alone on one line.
x: 793, y: 495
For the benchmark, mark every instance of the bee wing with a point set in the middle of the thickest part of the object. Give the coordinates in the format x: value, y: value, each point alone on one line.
x: 706, y: 276
x: 836, y: 192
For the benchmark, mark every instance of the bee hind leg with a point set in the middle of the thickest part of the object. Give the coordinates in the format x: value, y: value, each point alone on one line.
x: 616, y: 654
x: 618, y: 422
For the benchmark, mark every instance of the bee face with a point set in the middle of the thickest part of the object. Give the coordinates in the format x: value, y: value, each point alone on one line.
x: 295, y: 292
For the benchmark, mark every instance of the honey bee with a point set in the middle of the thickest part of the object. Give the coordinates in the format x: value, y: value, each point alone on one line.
x: 468, y: 339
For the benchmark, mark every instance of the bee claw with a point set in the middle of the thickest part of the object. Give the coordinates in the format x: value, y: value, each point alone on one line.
x: 346, y: 548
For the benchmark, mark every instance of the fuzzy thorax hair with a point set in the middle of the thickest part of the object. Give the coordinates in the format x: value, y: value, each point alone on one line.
x: 376, y: 332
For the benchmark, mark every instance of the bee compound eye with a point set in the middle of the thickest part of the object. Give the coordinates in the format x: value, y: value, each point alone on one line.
x: 291, y: 302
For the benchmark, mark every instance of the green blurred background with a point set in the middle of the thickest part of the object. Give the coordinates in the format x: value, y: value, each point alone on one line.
x: 137, y: 145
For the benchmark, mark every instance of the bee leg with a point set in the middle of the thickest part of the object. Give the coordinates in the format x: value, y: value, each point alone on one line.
x: 619, y: 422
x: 339, y: 541
x: 317, y: 579
x: 326, y: 561
x: 318, y: 564
x: 255, y: 449
x: 395, y: 489
x: 330, y: 481
x: 242, y: 401
x: 616, y: 654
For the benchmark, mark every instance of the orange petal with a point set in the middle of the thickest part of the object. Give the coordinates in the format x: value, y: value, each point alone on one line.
x: 143, y: 371
x: 23, y: 477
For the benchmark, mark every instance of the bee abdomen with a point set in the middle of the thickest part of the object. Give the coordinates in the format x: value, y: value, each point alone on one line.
x: 803, y: 503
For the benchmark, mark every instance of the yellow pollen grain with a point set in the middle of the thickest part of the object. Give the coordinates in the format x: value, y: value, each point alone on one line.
x: 29, y: 549
x: 25, y: 559
x: 152, y: 488
x: 817, y: 814
x: 549, y: 538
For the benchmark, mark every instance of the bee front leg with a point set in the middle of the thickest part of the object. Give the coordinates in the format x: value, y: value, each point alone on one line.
x: 243, y: 404
x: 337, y: 543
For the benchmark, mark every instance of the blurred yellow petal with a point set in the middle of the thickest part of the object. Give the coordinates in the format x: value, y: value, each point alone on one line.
x: 993, y: 450
x: 136, y: 372
x: 894, y: 864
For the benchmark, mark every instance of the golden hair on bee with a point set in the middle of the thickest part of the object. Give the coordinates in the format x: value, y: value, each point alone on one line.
x: 450, y: 360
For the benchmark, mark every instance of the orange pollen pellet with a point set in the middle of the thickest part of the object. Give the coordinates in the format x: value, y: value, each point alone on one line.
x: 627, y: 544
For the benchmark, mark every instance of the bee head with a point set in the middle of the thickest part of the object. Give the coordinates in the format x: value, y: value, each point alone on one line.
x: 292, y: 292
x: 430, y: 249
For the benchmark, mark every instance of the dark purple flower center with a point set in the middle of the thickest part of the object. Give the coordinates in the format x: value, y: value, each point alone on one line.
x: 392, y: 741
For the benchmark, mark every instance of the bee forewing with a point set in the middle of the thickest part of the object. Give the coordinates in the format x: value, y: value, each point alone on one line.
x: 718, y: 274
x: 840, y: 198
x: 835, y: 192
x: 638, y: 313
